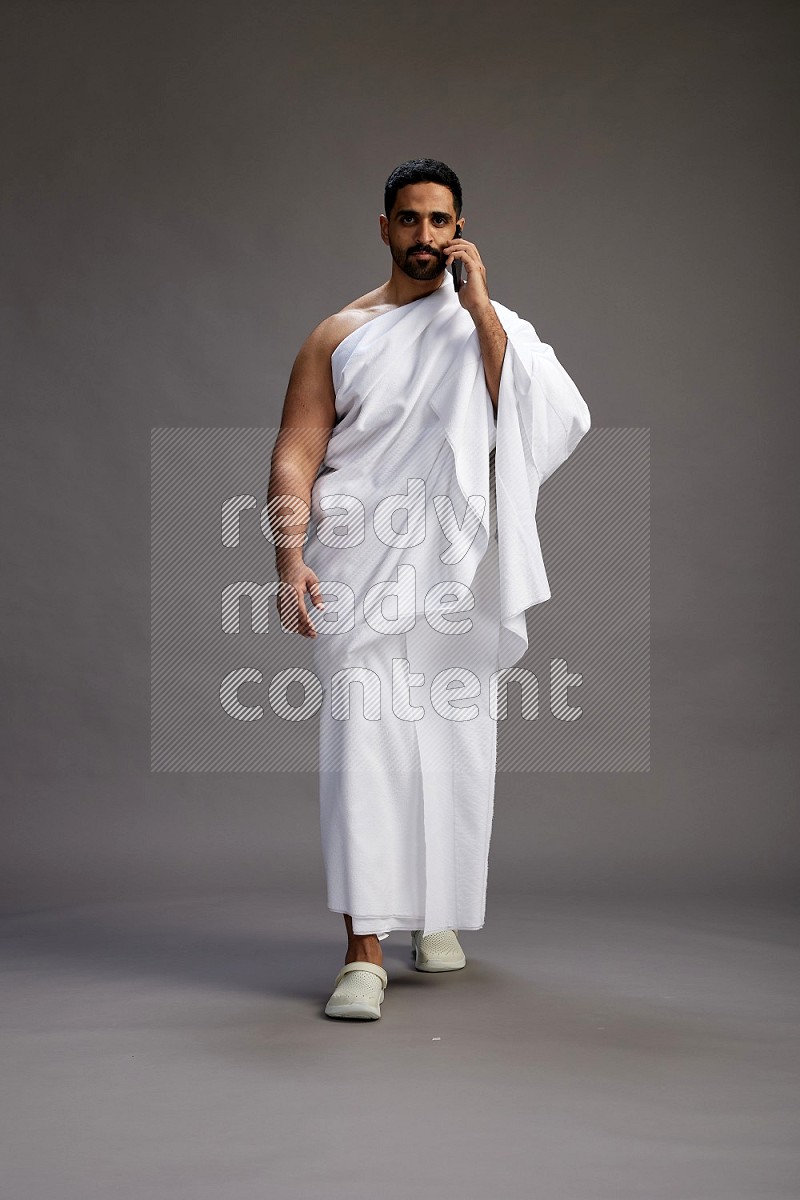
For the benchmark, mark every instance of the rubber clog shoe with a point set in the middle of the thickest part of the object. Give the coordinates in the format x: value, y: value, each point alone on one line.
x: 358, y: 992
x: 437, y: 951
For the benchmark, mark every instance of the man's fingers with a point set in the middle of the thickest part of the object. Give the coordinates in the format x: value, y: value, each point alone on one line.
x: 306, y: 628
x: 316, y: 595
x: 460, y: 244
x: 293, y: 615
x: 467, y: 256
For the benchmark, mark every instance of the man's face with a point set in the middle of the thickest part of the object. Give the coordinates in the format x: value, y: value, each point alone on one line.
x: 422, y: 221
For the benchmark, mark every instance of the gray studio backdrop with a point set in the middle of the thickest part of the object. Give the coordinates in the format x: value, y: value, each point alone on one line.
x: 189, y: 188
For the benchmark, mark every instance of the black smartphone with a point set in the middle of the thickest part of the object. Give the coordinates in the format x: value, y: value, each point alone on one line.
x: 457, y: 265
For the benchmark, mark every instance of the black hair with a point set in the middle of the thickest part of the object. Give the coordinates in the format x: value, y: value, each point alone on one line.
x: 421, y: 170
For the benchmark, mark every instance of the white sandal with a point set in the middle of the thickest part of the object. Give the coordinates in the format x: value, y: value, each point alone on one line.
x: 358, y: 991
x: 439, y: 951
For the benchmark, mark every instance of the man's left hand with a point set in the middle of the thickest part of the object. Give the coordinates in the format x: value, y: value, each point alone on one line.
x: 473, y: 294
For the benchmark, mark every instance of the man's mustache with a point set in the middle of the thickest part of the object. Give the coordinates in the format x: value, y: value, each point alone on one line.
x: 425, y: 250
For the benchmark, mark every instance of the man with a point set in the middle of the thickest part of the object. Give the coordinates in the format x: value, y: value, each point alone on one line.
x: 441, y: 407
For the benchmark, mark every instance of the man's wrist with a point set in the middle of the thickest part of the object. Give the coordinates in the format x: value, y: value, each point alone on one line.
x: 483, y: 312
x: 288, y: 556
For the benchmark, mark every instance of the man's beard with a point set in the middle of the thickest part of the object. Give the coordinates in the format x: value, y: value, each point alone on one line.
x: 414, y: 267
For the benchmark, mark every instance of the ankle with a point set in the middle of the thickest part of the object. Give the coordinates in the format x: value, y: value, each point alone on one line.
x: 364, y: 949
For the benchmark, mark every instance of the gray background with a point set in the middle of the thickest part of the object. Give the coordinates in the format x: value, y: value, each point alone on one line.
x: 189, y: 188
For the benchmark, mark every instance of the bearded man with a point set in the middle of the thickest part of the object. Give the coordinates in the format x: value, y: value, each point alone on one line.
x: 424, y: 399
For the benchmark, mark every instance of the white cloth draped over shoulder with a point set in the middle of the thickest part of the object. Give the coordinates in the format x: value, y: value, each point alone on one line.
x: 424, y: 358
x: 407, y: 802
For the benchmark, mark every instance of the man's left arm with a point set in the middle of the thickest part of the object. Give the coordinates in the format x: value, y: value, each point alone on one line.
x: 493, y: 340
x: 474, y: 297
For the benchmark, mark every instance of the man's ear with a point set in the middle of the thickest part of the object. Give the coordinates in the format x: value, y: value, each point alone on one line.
x: 384, y: 223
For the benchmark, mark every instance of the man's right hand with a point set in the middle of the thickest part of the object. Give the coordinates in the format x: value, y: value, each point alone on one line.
x: 291, y: 600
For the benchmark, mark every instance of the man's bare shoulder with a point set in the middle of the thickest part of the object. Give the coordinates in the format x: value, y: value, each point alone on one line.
x: 335, y: 328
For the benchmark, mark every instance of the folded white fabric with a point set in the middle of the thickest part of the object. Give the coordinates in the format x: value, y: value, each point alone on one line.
x: 407, y: 793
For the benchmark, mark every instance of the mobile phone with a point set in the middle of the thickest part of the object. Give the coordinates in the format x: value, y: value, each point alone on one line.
x: 457, y: 265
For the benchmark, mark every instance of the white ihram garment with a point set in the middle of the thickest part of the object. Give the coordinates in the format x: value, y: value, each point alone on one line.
x: 406, y: 781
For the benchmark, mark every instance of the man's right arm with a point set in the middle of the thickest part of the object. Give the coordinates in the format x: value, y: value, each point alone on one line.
x: 309, y: 412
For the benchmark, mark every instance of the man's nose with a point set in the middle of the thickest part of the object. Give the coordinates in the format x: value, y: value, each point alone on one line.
x: 426, y: 233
